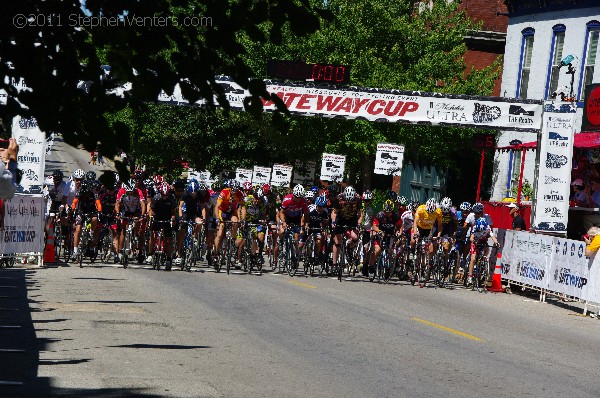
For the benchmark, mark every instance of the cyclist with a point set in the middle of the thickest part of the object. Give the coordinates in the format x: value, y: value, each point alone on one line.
x: 209, y: 217
x: 408, y: 222
x: 273, y: 203
x: 385, y: 223
x: 480, y: 230
x: 85, y: 202
x: 294, y: 210
x: 318, y: 220
x: 230, y: 207
x: 449, y: 225
x: 107, y: 217
x: 163, y: 209
x: 426, y: 217
x: 255, y: 213
x: 56, y: 192
x: 310, y: 196
x: 367, y: 222
x: 347, y: 212
x: 401, y: 203
x: 461, y: 237
x: 130, y: 204
x: 190, y: 210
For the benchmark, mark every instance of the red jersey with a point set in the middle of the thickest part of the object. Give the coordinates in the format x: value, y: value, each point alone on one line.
x: 292, y: 208
x: 230, y: 201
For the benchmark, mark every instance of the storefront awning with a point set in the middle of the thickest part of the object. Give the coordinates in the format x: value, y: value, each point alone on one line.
x: 582, y: 140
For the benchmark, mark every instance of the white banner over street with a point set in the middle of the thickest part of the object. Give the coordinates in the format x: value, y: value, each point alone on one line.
x: 304, y: 172
x: 23, y: 230
x: 32, y: 154
x: 203, y: 176
x: 388, y: 159
x: 261, y: 175
x: 380, y: 105
x: 332, y: 167
x: 282, y: 175
x: 553, y: 187
x: 243, y: 175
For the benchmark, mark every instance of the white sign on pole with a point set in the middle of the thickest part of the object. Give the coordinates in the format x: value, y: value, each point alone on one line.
x: 243, y: 175
x: 23, y: 225
x: 261, y: 175
x: 553, y: 188
x: 282, y: 175
x: 531, y: 256
x: 204, y: 176
x: 192, y: 174
x: 388, y: 159
x: 332, y: 167
x: 304, y: 172
x: 569, y: 271
x: 32, y: 154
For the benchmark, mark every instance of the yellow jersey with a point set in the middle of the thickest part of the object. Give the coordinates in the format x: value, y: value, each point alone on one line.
x: 426, y: 219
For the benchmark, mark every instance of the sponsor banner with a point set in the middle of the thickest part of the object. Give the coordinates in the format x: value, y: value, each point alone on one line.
x: 526, y: 258
x: 261, y: 175
x: 388, y: 159
x: 591, y: 108
x: 332, y: 167
x: 393, y: 106
x: 32, y: 154
x: 282, y: 175
x: 203, y: 176
x: 591, y: 291
x: 304, y: 172
x: 243, y: 175
x: 553, y: 188
x: 23, y: 230
x: 569, y: 272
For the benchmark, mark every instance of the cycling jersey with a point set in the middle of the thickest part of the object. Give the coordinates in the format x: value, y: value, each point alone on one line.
x: 108, y: 201
x: 347, y: 211
x: 86, y: 202
x: 408, y: 220
x: 193, y: 204
x: 368, y: 213
x: 70, y: 192
x: 255, y: 212
x: 316, y: 218
x: 163, y: 208
x: 294, y: 208
x: 131, y: 203
x: 387, y: 224
x: 449, y: 223
x: 481, y: 227
x: 229, y: 200
x: 426, y: 219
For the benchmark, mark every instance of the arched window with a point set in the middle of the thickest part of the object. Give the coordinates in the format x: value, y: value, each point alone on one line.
x: 588, y: 60
x: 525, y: 62
x: 556, y: 55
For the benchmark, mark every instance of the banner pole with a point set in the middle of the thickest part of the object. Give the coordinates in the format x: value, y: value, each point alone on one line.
x: 480, y: 176
x: 519, y: 190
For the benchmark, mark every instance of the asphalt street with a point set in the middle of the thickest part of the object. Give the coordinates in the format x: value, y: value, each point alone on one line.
x: 106, y: 331
x: 67, y: 159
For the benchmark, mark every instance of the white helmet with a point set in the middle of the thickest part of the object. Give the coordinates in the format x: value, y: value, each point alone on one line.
x: 478, y: 208
x: 446, y: 204
x: 367, y: 195
x: 298, y: 191
x: 349, y: 193
x: 78, y: 173
x: 430, y: 205
x: 310, y: 194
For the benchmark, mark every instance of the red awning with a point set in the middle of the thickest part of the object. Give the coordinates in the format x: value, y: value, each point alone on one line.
x: 582, y: 140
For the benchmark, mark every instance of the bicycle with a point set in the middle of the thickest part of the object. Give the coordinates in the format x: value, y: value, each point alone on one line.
x: 190, y: 247
x: 249, y: 260
x: 105, y: 243
x: 422, y: 263
x: 343, y: 251
x: 311, y: 256
x: 481, y: 270
x: 383, y: 263
x: 159, y: 259
x: 130, y: 240
x: 87, y: 236
x: 270, y: 246
x: 227, y: 248
x: 289, y: 248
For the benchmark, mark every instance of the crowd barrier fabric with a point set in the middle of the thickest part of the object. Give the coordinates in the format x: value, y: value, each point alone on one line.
x: 23, y: 230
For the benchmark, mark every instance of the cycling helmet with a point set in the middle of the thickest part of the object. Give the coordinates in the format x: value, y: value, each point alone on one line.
x: 247, y: 186
x: 163, y: 188
x: 266, y: 188
x: 298, y: 191
x: 234, y: 184
x: 315, y: 189
x: 129, y: 185
x: 465, y: 206
x: 392, y: 196
x: 138, y: 175
x: 478, y: 208
x: 79, y: 174
x: 258, y: 193
x: 192, y: 186
x: 90, y: 176
x: 388, y: 206
x: 446, y: 204
x: 332, y: 190
x: 402, y: 201
x: 148, y: 183
x: 430, y: 205
x: 217, y: 185
x: 57, y: 176
x: 321, y: 201
x: 158, y: 179
x: 310, y: 195
x: 367, y: 195
x: 202, y: 187
x: 349, y: 193
x: 413, y: 206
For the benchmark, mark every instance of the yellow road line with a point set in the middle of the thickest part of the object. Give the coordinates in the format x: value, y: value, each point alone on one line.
x: 447, y: 329
x: 303, y: 284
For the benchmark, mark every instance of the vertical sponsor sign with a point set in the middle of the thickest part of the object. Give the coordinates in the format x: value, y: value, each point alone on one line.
x: 32, y: 154
x: 388, y: 159
x: 243, y: 175
x: 261, y: 175
x: 332, y: 167
x: 23, y: 225
x: 304, y: 172
x: 553, y: 188
x: 282, y: 175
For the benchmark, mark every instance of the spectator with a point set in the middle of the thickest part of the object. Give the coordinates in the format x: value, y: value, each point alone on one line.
x: 93, y: 158
x: 518, y: 223
x: 8, y: 174
x: 592, y: 241
x: 590, y: 220
x: 584, y: 171
x: 580, y: 197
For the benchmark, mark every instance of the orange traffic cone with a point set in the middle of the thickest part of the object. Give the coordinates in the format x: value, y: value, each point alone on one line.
x: 49, y: 251
x: 497, y: 278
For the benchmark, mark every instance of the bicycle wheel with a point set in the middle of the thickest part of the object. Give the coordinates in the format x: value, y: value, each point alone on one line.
x: 386, y: 268
x: 423, y: 270
x: 289, y: 256
x: 188, y: 257
x: 342, y: 260
x: 436, y: 269
x: 371, y: 269
x: 309, y: 256
x: 228, y: 254
x: 247, y: 256
x: 482, y: 273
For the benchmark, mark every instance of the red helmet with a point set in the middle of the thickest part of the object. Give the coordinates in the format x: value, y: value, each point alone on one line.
x: 247, y: 186
x: 266, y: 188
x: 164, y: 188
x: 158, y: 180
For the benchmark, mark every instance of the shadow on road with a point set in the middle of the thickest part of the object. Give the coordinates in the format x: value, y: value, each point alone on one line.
x: 160, y: 346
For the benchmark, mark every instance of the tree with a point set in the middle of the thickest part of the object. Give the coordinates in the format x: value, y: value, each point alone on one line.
x: 53, y: 45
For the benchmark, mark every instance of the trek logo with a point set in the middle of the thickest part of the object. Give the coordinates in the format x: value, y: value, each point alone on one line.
x: 485, y: 113
x: 518, y: 110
